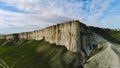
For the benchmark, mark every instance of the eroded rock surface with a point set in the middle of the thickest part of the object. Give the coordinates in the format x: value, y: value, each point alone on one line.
x: 72, y: 34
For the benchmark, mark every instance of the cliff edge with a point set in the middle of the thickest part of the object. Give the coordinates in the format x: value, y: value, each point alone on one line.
x: 74, y: 35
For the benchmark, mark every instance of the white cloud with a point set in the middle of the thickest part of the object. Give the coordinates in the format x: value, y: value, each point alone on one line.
x: 24, y: 5
x: 29, y: 20
x: 64, y: 7
x: 43, y: 13
x: 96, y: 10
x: 2, y: 25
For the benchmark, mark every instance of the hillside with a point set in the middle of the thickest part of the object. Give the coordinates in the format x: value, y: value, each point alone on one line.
x: 35, y: 54
x: 109, y: 56
x: 66, y: 45
x: 111, y: 35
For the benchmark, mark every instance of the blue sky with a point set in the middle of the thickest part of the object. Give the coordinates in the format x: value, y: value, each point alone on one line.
x: 27, y: 15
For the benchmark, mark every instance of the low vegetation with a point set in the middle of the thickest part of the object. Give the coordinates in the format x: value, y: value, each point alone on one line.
x: 112, y: 35
x: 35, y: 54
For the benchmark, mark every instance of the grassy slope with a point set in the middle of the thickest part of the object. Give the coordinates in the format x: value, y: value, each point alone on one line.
x: 36, y: 54
x: 109, y: 34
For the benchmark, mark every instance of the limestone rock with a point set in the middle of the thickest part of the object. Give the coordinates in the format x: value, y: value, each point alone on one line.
x: 74, y: 35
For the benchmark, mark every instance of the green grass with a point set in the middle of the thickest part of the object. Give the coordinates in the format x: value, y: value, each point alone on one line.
x: 36, y: 54
x: 111, y: 35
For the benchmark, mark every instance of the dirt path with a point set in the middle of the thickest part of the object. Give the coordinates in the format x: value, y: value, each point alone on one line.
x: 105, y: 59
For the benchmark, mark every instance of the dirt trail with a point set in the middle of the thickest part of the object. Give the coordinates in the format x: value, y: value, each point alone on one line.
x: 107, y: 58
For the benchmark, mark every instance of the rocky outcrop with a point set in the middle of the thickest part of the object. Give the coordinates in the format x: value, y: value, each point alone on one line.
x: 74, y: 35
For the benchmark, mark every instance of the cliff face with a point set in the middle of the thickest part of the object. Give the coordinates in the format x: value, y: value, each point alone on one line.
x: 61, y: 34
x: 75, y: 36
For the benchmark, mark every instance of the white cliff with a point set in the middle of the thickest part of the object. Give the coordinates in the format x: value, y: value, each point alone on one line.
x: 74, y: 35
